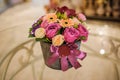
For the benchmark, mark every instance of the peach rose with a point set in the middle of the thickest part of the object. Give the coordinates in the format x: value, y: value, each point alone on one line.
x: 58, y: 40
x: 40, y: 33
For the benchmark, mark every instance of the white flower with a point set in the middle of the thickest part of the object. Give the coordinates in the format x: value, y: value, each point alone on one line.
x: 58, y: 40
x: 76, y: 21
x: 40, y: 33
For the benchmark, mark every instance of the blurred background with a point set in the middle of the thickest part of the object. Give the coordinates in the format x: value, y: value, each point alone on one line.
x: 21, y: 57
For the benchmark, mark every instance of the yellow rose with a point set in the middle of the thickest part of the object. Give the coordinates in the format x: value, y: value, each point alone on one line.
x: 40, y: 33
x: 58, y: 40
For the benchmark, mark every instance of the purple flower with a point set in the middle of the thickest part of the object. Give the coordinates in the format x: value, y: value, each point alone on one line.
x: 62, y: 9
x: 83, y: 32
x: 52, y: 29
x: 71, y: 34
x: 36, y: 25
x: 69, y: 12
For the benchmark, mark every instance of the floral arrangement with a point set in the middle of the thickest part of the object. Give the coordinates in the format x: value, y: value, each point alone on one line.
x: 63, y: 29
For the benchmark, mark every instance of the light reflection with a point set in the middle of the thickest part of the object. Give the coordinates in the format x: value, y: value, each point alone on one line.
x: 102, y: 51
x: 100, y: 32
x: 106, y: 26
x: 103, y: 31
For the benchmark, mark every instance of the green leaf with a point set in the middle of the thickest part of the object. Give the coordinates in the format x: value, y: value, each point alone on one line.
x: 43, y: 39
x: 75, y: 26
x: 30, y: 35
x: 39, y: 21
x: 81, y: 21
x: 58, y: 32
x: 61, y: 31
x: 83, y: 38
x: 59, y: 15
x: 71, y: 17
x: 64, y: 16
x: 48, y: 40
x: 39, y: 39
x: 35, y: 25
x: 30, y: 29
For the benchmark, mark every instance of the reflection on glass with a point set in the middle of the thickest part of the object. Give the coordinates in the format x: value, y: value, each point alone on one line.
x: 102, y: 51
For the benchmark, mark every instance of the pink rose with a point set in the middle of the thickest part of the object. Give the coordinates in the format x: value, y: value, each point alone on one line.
x: 81, y: 17
x: 71, y: 34
x: 52, y: 29
x: 83, y: 32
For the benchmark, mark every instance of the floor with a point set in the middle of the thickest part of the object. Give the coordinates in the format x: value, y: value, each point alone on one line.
x: 21, y: 57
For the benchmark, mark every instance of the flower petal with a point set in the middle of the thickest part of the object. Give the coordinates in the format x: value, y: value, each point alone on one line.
x: 52, y: 59
x: 53, y: 49
x: 64, y: 63
x: 82, y: 55
x: 40, y: 33
x: 74, y: 61
x: 58, y: 40
x: 44, y: 24
x: 81, y: 17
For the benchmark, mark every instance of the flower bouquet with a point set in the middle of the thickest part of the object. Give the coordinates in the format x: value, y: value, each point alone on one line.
x: 60, y: 34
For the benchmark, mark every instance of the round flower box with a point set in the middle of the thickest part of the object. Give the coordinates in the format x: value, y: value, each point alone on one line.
x: 60, y: 34
x: 46, y: 54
